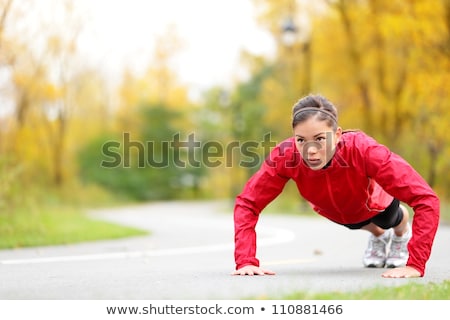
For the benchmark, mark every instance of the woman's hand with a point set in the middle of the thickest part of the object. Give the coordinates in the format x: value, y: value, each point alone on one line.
x: 251, y: 271
x: 401, y: 272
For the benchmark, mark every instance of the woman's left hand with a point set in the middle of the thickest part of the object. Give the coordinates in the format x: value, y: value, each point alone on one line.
x: 401, y: 272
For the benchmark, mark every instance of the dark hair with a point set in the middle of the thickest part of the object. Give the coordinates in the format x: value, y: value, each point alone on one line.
x: 314, y: 106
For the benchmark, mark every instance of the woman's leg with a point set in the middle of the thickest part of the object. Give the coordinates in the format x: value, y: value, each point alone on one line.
x: 402, y: 227
x: 374, y: 229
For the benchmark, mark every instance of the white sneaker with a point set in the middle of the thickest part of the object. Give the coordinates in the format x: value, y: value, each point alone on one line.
x: 375, y: 254
x: 398, y: 252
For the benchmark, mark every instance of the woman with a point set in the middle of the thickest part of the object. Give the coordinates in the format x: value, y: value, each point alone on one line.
x: 331, y: 166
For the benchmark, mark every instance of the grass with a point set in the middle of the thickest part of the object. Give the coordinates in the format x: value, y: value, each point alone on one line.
x: 56, y: 226
x: 43, y: 217
x: 413, y: 291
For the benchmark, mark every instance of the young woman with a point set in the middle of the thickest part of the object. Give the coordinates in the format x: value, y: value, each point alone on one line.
x: 350, y: 179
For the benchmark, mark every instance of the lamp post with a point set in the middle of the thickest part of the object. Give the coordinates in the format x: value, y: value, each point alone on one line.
x: 298, y: 36
x: 289, y: 32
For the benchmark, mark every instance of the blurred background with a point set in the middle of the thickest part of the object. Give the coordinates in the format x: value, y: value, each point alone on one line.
x: 79, y: 79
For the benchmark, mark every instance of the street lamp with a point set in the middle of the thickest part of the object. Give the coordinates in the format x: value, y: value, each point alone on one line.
x: 292, y: 35
x: 289, y: 32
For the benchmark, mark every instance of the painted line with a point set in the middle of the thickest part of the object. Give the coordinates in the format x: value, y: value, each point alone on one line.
x: 121, y: 255
x: 270, y: 236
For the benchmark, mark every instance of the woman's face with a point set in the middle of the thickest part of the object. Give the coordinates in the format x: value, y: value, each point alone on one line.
x: 316, y: 142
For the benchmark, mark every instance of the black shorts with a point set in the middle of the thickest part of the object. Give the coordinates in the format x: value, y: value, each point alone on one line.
x: 388, y: 218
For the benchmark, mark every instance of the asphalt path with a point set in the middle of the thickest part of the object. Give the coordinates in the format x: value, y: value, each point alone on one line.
x: 189, y: 255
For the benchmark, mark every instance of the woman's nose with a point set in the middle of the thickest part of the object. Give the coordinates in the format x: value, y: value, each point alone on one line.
x: 312, y: 147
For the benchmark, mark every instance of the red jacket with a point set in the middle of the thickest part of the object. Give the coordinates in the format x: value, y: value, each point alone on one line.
x: 361, y: 180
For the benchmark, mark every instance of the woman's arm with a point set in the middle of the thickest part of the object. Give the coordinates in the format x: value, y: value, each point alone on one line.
x: 397, y: 177
x: 261, y: 189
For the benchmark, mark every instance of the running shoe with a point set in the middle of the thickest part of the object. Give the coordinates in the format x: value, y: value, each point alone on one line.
x: 398, y: 252
x: 376, y: 252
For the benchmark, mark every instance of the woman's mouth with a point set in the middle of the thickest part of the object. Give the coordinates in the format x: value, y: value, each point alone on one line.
x: 314, y: 162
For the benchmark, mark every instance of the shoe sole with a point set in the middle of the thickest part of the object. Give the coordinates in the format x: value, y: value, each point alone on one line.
x: 374, y: 266
x: 392, y: 265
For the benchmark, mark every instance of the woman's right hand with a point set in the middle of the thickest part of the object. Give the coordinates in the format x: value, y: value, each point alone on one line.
x: 251, y: 271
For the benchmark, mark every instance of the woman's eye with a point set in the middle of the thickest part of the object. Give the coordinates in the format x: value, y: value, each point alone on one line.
x: 300, y: 140
x: 320, y: 139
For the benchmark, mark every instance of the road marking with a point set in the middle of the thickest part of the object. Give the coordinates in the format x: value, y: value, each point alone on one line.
x: 121, y: 255
x: 269, y: 236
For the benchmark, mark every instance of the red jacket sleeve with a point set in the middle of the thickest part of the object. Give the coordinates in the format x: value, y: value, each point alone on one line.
x: 263, y: 187
x: 400, y: 180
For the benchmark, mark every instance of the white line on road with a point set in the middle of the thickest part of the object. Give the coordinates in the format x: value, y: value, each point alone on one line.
x: 270, y: 236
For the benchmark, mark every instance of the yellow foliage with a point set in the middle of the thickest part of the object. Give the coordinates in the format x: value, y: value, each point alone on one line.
x: 385, y: 64
x: 378, y: 60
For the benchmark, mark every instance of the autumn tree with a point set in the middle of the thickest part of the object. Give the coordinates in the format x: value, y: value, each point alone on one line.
x: 42, y: 72
x: 383, y: 63
x: 153, y: 122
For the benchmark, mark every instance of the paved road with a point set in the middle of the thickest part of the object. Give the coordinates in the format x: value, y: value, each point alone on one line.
x: 189, y: 255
